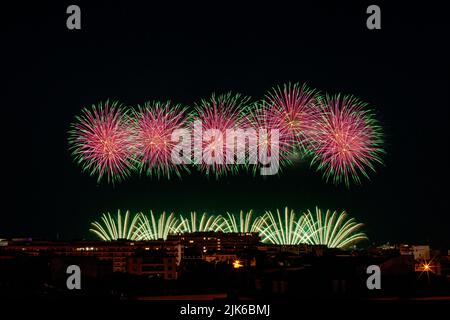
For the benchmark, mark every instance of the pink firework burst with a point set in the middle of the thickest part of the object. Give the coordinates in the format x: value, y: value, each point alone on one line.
x: 294, y: 109
x: 153, y: 126
x: 262, y: 119
x: 215, y: 116
x: 347, y: 140
x: 101, y: 143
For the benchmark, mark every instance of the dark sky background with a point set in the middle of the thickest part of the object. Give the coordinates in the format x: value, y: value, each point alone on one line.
x: 135, y: 52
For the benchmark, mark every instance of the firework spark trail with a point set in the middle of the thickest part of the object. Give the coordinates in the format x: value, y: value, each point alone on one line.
x: 219, y: 113
x: 339, y: 133
x: 153, y: 125
x: 347, y: 140
x: 100, y: 141
x: 192, y: 224
x: 268, y: 134
x: 282, y: 231
x: 294, y: 109
x: 109, y: 229
x: 152, y: 228
x: 243, y: 223
x: 332, y: 229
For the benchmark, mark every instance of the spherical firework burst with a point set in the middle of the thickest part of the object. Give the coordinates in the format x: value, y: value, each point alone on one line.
x: 272, y: 140
x: 153, y: 228
x: 119, y: 228
x: 347, y: 140
x: 101, y: 142
x: 331, y: 229
x: 294, y: 109
x: 242, y: 223
x: 152, y: 126
x: 192, y: 224
x: 217, y: 116
x: 287, y: 229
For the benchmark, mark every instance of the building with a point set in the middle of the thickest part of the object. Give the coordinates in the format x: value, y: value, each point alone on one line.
x: 421, y: 252
x: 116, y: 252
x: 300, y: 249
x: 153, y: 264
x: 221, y: 257
x: 202, y: 244
x: 406, y: 250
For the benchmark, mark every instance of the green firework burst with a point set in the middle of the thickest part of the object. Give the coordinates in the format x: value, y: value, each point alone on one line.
x: 110, y: 228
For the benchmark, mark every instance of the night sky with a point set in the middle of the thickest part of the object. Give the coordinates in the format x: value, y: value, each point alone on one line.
x: 134, y: 53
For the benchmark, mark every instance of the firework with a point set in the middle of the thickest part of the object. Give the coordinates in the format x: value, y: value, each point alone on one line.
x: 109, y: 229
x: 243, y: 223
x: 192, y: 224
x: 152, y: 126
x: 331, y: 229
x: 346, y: 140
x: 101, y: 143
x: 339, y: 135
x: 269, y: 134
x: 217, y: 115
x: 283, y: 229
x: 153, y: 228
x: 294, y: 109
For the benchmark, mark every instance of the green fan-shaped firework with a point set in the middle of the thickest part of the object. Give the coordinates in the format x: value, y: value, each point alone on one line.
x: 243, y: 223
x: 152, y: 227
x: 331, y: 229
x: 282, y: 228
x: 192, y: 224
x: 110, y: 228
